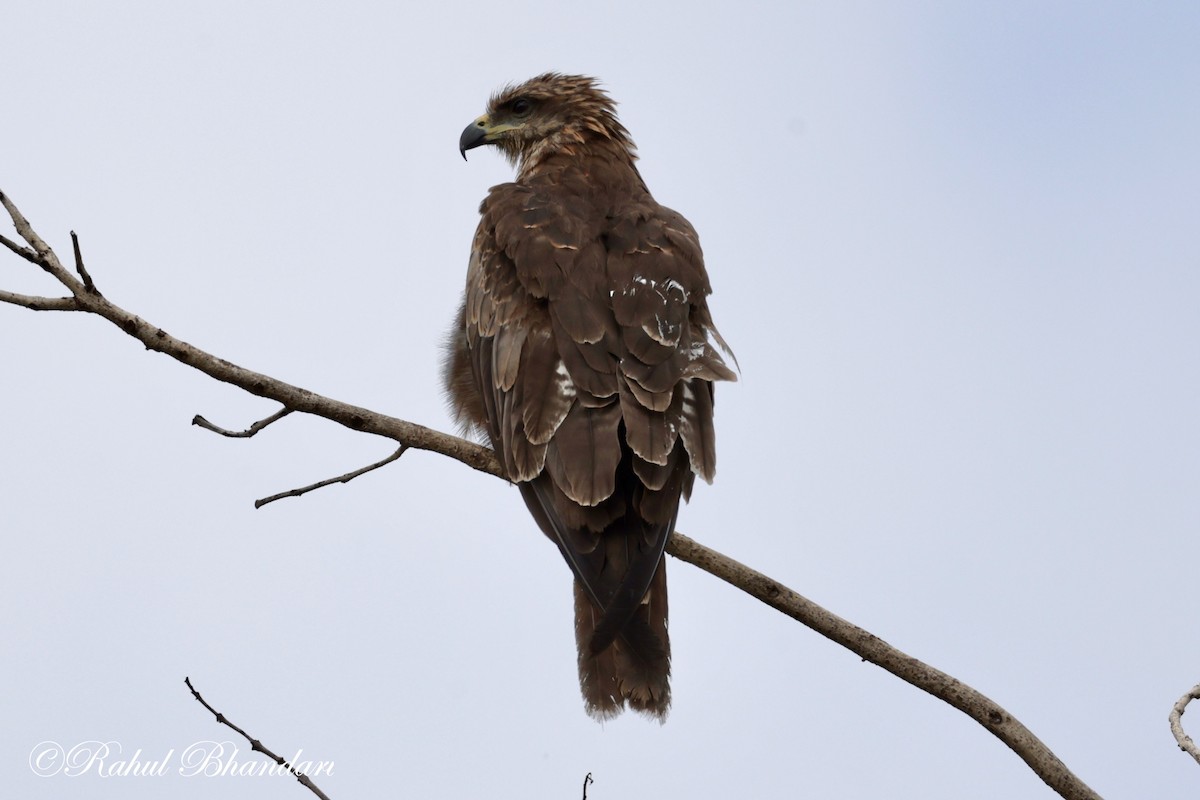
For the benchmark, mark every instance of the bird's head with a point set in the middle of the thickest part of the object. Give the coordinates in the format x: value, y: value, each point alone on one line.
x: 547, y: 114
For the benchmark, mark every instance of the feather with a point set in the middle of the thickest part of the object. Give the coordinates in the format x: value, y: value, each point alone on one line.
x: 547, y: 391
x: 583, y: 455
x: 650, y: 434
x: 654, y: 476
x: 602, y: 696
x: 509, y: 341
x: 696, y: 428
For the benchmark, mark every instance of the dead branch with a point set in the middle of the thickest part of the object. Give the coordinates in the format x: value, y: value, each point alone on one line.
x: 255, y: 744
x: 23, y: 252
x: 971, y: 702
x: 201, y: 422
x: 1176, y: 718
x: 349, y: 476
x: 82, y: 270
x: 39, y: 303
x: 871, y: 648
x: 292, y: 397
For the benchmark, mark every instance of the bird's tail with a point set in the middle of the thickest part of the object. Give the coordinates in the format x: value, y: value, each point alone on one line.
x: 636, y: 668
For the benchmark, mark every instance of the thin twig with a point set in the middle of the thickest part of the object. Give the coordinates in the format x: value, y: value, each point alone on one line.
x: 971, y: 702
x: 1176, y: 717
x: 79, y: 267
x: 586, y: 780
x: 23, y: 252
x: 246, y: 434
x: 40, y: 303
x: 256, y: 745
x: 349, y: 476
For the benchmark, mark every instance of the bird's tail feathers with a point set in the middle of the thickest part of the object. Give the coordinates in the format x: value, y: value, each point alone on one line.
x: 635, y: 669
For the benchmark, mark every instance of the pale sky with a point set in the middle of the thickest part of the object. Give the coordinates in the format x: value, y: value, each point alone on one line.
x: 954, y: 247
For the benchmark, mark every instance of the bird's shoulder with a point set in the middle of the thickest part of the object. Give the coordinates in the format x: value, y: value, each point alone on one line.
x: 601, y: 238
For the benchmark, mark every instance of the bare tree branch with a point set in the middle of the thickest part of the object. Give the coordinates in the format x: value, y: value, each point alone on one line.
x: 256, y: 745
x: 43, y: 256
x: 349, y: 476
x: 246, y: 434
x: 984, y: 711
x: 23, y: 252
x: 1176, y: 717
x: 971, y: 702
x: 39, y: 303
x: 256, y: 383
x: 82, y: 270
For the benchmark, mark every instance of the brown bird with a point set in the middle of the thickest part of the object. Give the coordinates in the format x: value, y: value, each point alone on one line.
x: 584, y: 351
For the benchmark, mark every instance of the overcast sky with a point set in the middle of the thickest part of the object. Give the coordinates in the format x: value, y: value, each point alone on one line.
x: 954, y: 246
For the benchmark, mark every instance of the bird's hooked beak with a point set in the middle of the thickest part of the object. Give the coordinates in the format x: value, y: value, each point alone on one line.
x: 481, y: 132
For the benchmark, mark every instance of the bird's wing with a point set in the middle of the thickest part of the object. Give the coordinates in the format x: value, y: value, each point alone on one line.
x: 590, y: 341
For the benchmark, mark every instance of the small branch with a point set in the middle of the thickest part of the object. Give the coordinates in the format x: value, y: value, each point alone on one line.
x: 256, y: 383
x: 82, y: 270
x: 246, y: 434
x: 255, y: 744
x: 586, y: 780
x: 40, y: 303
x: 44, y: 257
x: 1176, y: 717
x: 971, y: 702
x: 23, y: 252
x: 349, y: 476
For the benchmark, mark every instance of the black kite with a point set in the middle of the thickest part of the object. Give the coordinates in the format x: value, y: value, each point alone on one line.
x: 584, y: 352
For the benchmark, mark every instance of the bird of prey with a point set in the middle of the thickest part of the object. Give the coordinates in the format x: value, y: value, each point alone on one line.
x: 585, y: 352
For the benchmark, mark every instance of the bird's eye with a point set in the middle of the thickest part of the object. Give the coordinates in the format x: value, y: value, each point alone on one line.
x: 521, y: 106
